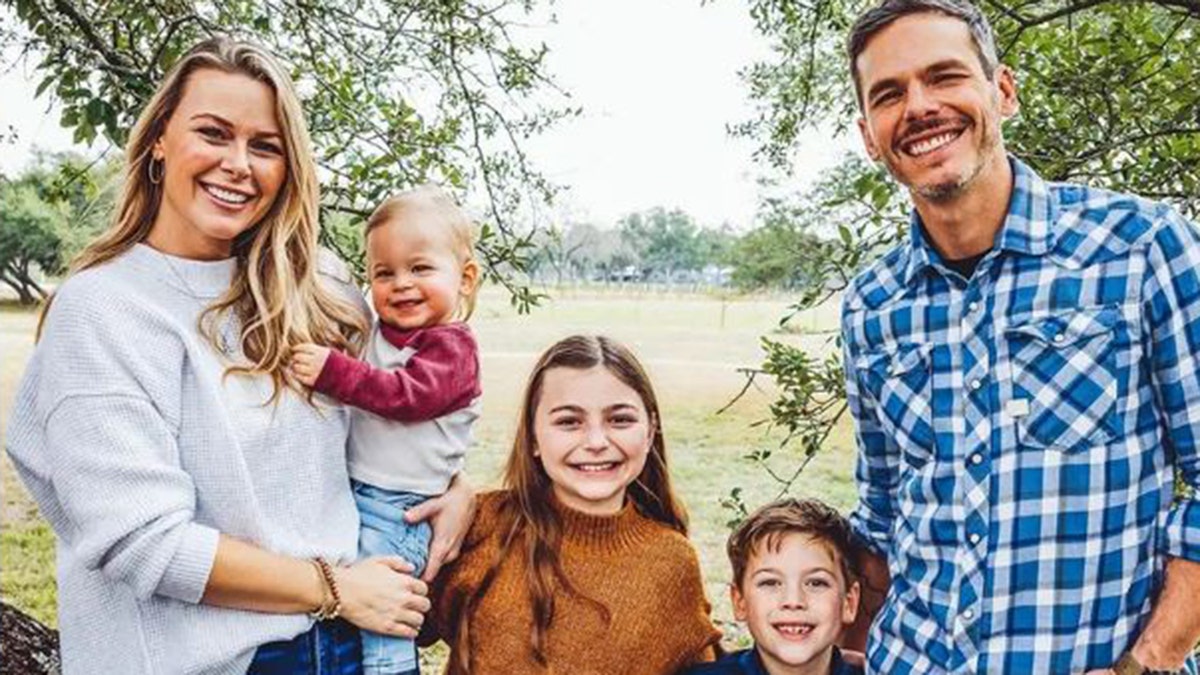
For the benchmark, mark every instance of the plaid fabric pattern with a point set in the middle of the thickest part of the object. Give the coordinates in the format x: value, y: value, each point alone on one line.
x: 1018, y: 433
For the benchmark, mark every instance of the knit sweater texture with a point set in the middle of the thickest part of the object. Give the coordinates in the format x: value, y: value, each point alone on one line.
x: 139, y: 453
x: 414, y: 400
x: 646, y: 575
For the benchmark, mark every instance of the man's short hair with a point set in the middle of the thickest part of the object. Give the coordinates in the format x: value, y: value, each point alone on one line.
x: 772, y: 522
x: 885, y: 13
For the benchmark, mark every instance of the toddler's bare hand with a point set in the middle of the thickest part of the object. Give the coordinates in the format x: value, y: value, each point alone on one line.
x: 307, y: 362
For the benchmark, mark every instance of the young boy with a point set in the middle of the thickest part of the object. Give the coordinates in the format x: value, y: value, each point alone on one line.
x: 794, y: 587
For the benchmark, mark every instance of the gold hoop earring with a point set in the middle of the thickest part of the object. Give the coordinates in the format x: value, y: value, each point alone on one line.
x: 155, y: 180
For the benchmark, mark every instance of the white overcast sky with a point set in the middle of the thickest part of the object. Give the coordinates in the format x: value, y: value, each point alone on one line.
x: 657, y: 81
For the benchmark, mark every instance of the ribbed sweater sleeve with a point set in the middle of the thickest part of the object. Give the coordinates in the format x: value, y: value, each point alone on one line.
x: 109, y: 405
x: 441, y: 376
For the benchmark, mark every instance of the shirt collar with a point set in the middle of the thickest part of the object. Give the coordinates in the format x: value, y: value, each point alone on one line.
x: 751, y: 663
x: 1028, y: 228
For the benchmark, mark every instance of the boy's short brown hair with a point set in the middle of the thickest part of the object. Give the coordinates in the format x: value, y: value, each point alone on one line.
x: 771, y: 522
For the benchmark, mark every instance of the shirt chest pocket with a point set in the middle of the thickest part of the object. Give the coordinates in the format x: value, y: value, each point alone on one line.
x: 1065, y: 379
x: 900, y: 382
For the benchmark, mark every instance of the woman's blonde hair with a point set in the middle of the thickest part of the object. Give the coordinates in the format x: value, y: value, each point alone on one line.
x: 430, y: 201
x: 528, y: 521
x: 275, y: 294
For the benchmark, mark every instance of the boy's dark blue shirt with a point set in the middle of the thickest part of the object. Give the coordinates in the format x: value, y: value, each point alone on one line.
x: 747, y: 662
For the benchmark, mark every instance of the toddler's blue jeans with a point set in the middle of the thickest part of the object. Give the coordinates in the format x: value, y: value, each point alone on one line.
x: 385, y: 532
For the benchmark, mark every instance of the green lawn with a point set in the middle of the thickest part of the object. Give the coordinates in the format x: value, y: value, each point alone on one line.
x: 691, y: 344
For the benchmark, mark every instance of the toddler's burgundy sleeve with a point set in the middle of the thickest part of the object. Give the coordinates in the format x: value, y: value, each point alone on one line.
x: 440, y: 377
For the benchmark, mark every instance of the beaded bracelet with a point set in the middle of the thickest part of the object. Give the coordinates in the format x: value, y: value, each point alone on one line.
x: 331, y: 601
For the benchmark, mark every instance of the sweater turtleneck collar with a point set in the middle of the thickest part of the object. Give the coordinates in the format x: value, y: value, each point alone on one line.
x: 620, y: 530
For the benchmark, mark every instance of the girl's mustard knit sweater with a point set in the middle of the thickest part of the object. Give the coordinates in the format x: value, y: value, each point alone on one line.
x: 643, y: 572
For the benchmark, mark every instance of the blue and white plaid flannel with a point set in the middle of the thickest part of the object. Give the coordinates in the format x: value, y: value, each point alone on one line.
x: 1018, y: 433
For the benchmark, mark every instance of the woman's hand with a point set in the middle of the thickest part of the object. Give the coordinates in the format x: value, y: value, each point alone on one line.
x: 379, y: 595
x: 450, y: 515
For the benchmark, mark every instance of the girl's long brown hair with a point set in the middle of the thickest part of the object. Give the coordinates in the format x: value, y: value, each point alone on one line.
x: 527, y: 518
x: 275, y: 294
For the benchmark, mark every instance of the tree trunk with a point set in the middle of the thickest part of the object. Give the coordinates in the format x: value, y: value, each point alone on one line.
x: 23, y: 285
x: 29, y: 647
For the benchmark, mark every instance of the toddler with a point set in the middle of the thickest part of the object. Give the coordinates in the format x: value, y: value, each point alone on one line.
x: 415, y: 393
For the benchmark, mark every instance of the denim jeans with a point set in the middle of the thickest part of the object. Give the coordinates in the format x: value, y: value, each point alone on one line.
x: 385, y: 532
x: 328, y: 648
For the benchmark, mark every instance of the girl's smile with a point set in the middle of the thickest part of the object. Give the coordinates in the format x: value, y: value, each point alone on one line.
x: 593, y: 435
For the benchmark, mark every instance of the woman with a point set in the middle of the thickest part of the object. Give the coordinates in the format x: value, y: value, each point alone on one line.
x: 186, y: 478
x: 581, y: 564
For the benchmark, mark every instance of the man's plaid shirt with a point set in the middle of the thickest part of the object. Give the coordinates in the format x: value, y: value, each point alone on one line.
x: 1018, y: 433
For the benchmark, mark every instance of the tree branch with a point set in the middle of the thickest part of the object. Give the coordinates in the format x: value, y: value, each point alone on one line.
x: 114, y: 61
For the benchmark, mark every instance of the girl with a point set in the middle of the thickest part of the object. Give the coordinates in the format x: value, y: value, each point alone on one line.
x: 581, y: 563
x: 201, y: 503
x: 416, y: 395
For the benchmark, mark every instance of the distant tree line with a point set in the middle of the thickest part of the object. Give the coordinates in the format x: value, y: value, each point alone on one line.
x: 661, y: 246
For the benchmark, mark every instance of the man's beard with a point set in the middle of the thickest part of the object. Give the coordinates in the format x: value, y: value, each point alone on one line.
x: 947, y: 191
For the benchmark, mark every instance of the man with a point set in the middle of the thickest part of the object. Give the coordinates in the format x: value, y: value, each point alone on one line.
x: 1024, y: 378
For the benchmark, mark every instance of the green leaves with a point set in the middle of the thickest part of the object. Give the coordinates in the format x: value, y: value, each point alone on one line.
x: 1107, y: 90
x: 1108, y: 100
x: 1108, y: 97
x: 49, y: 211
x: 397, y: 92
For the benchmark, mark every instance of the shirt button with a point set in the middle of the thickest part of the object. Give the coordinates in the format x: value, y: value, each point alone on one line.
x: 976, y: 384
x: 974, y: 539
x: 977, y: 458
x: 972, y: 306
x: 969, y: 614
x: 1060, y: 337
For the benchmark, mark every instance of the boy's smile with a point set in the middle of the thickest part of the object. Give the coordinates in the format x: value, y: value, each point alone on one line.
x: 795, y: 602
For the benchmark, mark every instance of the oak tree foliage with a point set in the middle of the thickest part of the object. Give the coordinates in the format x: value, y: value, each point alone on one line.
x: 1108, y: 98
x: 397, y: 92
x: 47, y: 214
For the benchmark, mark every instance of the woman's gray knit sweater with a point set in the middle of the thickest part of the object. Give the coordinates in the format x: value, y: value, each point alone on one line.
x: 139, y: 453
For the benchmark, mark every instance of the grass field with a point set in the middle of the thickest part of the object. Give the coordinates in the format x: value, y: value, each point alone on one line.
x: 692, y: 346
